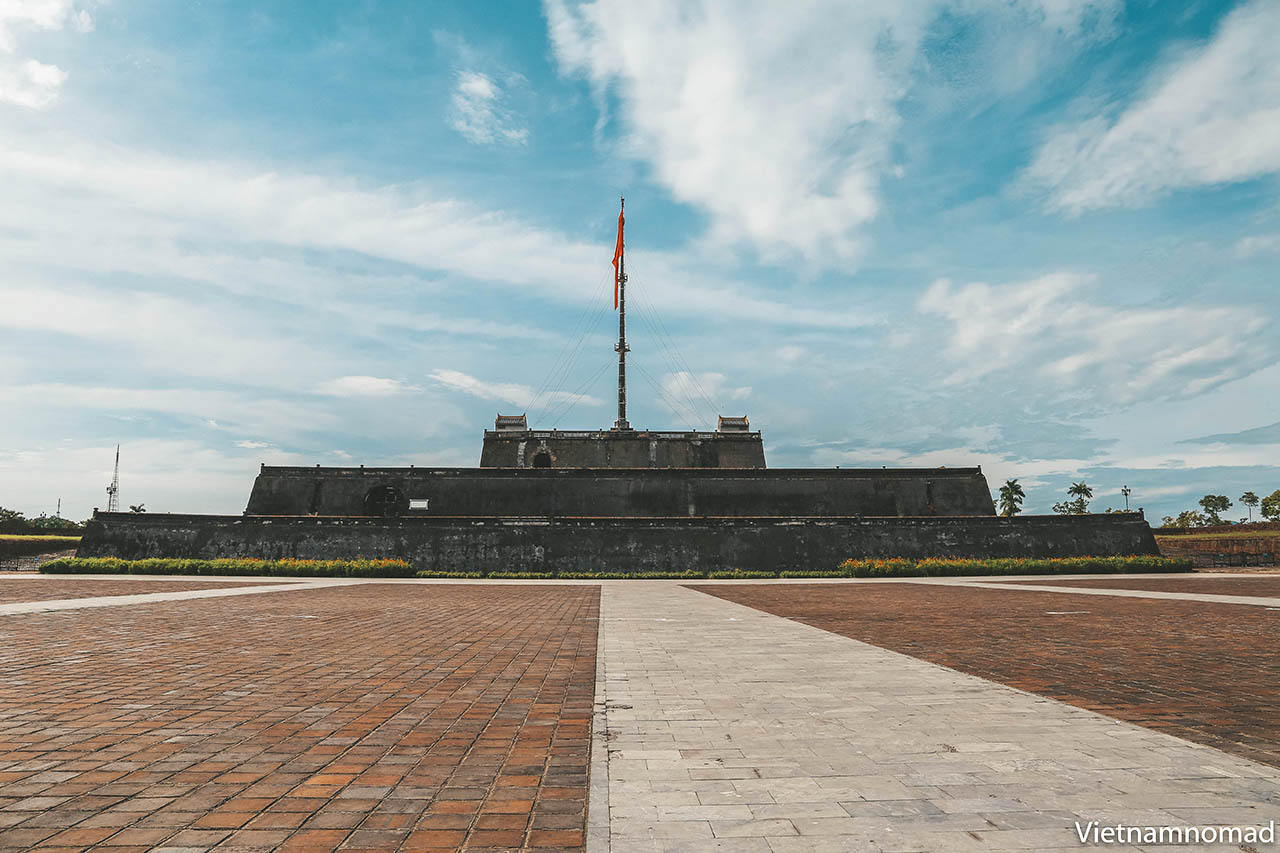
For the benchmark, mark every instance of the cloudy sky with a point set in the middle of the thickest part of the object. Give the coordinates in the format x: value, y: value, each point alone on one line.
x: 1041, y: 237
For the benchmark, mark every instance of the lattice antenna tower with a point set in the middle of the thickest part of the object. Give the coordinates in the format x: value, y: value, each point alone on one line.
x: 113, y: 490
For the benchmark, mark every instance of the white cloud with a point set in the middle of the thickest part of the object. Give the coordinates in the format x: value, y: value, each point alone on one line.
x: 997, y: 467
x: 25, y: 81
x: 239, y: 410
x: 1210, y: 117
x: 778, y: 123
x: 790, y: 353
x: 30, y: 83
x: 701, y: 396
x: 162, y: 333
x: 506, y: 392
x: 127, y: 211
x: 17, y: 15
x: 363, y: 386
x: 252, y: 445
x: 157, y: 472
x: 477, y: 113
x: 1050, y: 329
x: 1258, y: 244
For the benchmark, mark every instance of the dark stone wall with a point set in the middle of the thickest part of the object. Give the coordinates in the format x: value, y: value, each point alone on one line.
x: 622, y: 544
x: 618, y: 449
x: 645, y: 492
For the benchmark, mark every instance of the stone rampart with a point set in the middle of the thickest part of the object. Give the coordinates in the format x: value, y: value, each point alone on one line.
x: 621, y: 544
x: 641, y: 492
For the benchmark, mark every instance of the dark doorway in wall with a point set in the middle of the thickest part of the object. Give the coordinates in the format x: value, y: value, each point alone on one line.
x: 542, y: 459
x: 385, y: 501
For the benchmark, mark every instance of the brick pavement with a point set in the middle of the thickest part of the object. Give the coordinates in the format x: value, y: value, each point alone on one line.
x: 49, y: 589
x: 730, y: 728
x: 1262, y: 587
x: 364, y: 717
x: 1203, y: 671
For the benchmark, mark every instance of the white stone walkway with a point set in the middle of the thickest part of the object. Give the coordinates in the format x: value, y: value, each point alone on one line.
x: 249, y: 588
x: 727, y: 728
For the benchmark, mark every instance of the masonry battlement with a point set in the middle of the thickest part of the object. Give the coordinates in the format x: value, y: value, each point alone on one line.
x: 621, y: 448
x: 620, y: 492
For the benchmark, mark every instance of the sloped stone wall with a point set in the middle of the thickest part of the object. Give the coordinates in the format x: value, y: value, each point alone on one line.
x: 684, y: 492
x: 621, y: 544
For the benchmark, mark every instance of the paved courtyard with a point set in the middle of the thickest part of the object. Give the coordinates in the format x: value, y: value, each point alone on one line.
x: 366, y: 716
x: 971, y: 714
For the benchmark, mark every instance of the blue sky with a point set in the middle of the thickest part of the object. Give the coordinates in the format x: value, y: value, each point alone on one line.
x: 1039, y: 237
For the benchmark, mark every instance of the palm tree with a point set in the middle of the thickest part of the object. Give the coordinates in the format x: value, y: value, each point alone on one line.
x: 1082, y: 493
x: 1011, y: 496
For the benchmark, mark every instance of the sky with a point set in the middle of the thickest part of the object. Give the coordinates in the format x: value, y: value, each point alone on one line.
x: 1041, y: 237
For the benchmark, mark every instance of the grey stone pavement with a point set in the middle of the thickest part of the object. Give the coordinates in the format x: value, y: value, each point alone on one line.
x: 731, y: 729
x: 247, y: 588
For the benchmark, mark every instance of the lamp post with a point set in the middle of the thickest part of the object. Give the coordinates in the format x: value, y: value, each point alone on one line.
x: 1125, y: 490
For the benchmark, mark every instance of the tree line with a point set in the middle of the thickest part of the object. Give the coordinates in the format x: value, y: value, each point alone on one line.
x: 1213, y: 506
x: 13, y: 521
x: 1079, y: 494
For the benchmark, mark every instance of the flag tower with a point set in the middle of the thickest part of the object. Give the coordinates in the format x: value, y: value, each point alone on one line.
x: 620, y: 302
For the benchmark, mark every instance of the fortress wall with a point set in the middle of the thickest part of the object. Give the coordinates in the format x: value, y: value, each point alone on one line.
x: 638, y: 492
x: 622, y: 544
x: 610, y: 449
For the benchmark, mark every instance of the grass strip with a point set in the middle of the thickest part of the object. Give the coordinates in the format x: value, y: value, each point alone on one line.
x: 19, y: 545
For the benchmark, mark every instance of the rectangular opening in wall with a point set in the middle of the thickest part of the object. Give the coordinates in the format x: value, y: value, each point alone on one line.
x: 419, y: 504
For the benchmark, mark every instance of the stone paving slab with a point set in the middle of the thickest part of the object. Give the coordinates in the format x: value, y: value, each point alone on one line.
x: 214, y: 591
x: 730, y: 728
x: 18, y: 588
x: 366, y: 717
x: 1203, y: 671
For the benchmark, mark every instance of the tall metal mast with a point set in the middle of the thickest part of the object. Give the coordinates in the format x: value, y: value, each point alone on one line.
x: 621, y: 345
x: 113, y: 491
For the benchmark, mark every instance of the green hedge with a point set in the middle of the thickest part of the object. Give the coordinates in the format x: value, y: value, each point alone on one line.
x: 948, y: 567
x: 357, y: 568
x: 688, y: 574
x: 13, y: 545
x: 899, y: 567
x: 361, y: 568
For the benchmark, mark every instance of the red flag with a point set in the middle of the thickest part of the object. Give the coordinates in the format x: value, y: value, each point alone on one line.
x: 617, y: 253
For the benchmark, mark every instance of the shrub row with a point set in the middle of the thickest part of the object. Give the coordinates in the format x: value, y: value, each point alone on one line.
x: 943, y: 567
x: 357, y: 568
x: 361, y: 568
x: 688, y: 574
x: 23, y: 546
x: 898, y: 567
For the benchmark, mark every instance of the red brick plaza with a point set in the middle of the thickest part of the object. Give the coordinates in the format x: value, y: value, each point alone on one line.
x: 369, y: 717
x: 444, y: 716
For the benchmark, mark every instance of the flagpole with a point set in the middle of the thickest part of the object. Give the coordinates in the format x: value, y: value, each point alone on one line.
x: 621, y: 345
